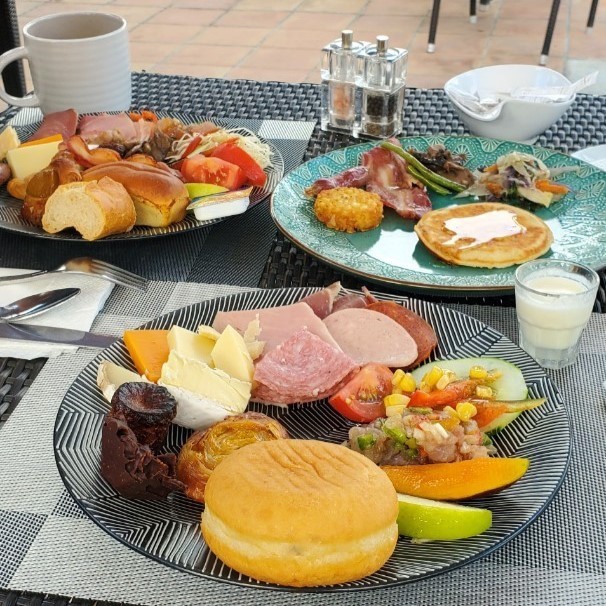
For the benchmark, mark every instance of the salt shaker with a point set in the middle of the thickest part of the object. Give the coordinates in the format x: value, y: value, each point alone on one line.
x: 382, y: 81
x: 339, y: 70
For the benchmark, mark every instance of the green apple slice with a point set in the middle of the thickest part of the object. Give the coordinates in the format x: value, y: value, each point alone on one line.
x: 199, y: 190
x: 439, y: 521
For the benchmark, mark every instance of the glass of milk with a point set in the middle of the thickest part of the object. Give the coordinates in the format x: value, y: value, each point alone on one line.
x: 554, y: 300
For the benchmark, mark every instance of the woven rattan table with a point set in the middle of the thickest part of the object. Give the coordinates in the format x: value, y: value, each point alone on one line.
x: 277, y: 262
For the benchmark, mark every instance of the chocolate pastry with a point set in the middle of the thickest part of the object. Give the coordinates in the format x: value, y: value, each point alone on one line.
x: 147, y: 409
x: 131, y: 468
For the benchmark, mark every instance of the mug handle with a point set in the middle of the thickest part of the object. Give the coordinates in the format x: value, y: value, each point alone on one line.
x: 14, y: 54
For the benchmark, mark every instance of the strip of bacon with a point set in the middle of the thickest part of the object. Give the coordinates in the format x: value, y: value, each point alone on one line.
x: 388, y: 177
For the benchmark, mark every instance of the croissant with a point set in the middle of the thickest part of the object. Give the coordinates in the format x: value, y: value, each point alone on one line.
x: 206, y: 449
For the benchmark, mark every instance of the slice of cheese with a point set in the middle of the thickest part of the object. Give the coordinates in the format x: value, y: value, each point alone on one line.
x: 230, y: 354
x: 189, y: 344
x: 8, y: 140
x: 25, y: 161
x: 110, y: 376
x: 208, y: 332
x: 194, y: 411
x: 206, y: 382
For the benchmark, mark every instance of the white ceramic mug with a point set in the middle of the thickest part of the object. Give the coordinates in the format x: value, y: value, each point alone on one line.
x: 77, y: 60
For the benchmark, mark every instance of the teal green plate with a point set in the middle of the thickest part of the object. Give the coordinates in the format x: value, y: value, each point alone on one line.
x: 391, y: 254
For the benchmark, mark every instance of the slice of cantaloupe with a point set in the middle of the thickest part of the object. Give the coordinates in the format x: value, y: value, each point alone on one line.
x: 149, y: 350
x: 456, y: 481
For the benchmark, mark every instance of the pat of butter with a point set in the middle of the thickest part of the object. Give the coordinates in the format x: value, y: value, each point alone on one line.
x: 191, y: 345
x: 230, y: 354
x: 25, y: 161
x: 206, y: 382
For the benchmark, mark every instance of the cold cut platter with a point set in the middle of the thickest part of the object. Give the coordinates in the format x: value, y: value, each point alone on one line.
x: 541, y: 434
x: 392, y: 245
x: 131, y: 176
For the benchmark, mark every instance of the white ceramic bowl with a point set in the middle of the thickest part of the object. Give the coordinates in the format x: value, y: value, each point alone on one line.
x: 521, y: 121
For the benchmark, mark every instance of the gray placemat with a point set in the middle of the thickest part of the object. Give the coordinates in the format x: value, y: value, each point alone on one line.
x: 48, y: 546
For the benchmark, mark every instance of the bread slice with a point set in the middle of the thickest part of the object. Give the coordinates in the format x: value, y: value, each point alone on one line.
x: 160, y: 197
x: 95, y: 209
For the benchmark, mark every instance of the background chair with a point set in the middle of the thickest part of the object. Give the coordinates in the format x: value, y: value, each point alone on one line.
x: 12, y: 76
x: 435, y: 14
x: 553, y: 15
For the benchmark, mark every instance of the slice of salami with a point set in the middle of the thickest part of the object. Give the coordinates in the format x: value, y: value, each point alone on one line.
x: 302, y: 369
x: 420, y: 330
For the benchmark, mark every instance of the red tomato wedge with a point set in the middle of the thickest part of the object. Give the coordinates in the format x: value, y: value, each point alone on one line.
x: 231, y: 152
x: 452, y: 393
x: 361, y: 399
x: 200, y: 169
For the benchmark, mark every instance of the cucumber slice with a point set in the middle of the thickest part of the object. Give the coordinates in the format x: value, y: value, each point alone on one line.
x: 510, y: 386
x: 440, y: 521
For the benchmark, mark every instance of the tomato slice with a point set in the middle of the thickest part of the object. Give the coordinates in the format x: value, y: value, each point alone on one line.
x: 200, y: 169
x: 231, y: 152
x: 361, y: 399
x: 456, y: 391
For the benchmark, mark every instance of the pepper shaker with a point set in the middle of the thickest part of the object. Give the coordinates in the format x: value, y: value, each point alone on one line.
x: 382, y: 81
x: 340, y: 67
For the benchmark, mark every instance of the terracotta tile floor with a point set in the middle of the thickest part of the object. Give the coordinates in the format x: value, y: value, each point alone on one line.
x: 281, y: 39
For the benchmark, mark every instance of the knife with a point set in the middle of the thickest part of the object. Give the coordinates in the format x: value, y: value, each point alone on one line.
x: 51, y: 334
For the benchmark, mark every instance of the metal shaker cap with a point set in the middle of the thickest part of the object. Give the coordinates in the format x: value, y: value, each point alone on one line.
x: 382, y: 44
x: 346, y: 38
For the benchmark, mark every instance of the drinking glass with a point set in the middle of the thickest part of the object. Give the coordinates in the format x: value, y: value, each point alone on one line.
x: 554, y: 300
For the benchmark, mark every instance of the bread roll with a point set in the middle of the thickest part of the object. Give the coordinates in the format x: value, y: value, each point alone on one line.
x: 95, y: 209
x: 160, y: 197
x: 300, y: 513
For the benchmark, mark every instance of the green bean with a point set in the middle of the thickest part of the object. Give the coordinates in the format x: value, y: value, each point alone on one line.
x: 422, y: 169
x: 428, y: 182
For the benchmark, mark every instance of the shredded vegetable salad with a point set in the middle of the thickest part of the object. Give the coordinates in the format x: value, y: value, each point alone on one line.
x: 518, y: 175
x: 191, y: 144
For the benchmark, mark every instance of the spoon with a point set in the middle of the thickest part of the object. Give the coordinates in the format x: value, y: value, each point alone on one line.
x: 36, y: 304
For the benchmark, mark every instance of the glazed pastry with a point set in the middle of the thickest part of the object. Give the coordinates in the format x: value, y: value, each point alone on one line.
x: 206, y: 449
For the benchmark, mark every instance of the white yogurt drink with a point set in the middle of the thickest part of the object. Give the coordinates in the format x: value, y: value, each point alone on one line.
x: 554, y: 300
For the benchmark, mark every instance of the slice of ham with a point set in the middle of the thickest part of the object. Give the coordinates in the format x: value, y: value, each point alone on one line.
x: 322, y: 302
x: 95, y: 129
x: 277, y: 323
x: 369, y: 336
x: 58, y: 123
x: 302, y: 369
x: 349, y: 301
x: 420, y: 330
x: 388, y: 177
x: 352, y: 177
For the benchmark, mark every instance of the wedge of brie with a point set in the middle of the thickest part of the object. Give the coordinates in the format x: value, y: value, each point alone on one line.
x: 110, y: 376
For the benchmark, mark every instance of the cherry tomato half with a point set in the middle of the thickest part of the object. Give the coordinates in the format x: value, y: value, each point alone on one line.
x: 361, y: 399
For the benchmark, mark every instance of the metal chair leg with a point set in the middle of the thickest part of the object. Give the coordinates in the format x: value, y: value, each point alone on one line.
x: 433, y: 26
x: 553, y: 15
x: 473, y: 17
x: 592, y: 12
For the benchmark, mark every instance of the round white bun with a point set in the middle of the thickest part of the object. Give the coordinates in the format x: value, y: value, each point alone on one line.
x: 300, y: 513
